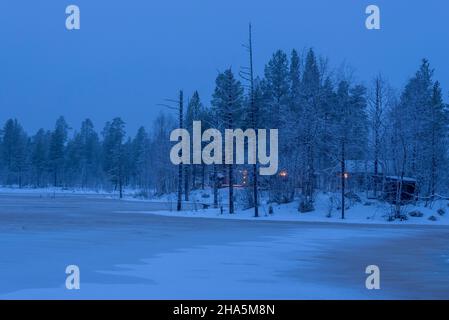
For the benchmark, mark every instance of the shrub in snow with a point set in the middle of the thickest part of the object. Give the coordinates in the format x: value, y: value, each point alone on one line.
x: 270, y: 209
x: 352, y: 196
x: 245, y: 198
x: 433, y: 218
x: 281, y: 191
x: 441, y: 211
x: 205, y: 195
x: 331, y: 205
x: 401, y: 215
x: 416, y: 213
x: 347, y: 206
x: 305, y: 206
x: 141, y: 194
x: 368, y: 203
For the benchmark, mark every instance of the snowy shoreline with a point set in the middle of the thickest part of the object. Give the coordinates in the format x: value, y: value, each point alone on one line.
x: 359, y: 213
x: 366, y: 212
x: 298, y: 218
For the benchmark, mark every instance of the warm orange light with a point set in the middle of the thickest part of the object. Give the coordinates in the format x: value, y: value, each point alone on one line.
x: 283, y: 174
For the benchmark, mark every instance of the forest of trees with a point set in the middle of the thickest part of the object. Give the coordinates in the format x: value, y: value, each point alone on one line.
x: 86, y: 159
x: 324, y: 117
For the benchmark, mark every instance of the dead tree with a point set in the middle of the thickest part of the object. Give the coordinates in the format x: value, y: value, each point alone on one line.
x: 181, y: 124
x: 248, y: 75
x: 180, y: 110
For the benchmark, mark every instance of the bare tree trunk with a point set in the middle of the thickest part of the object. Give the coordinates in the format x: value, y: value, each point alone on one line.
x: 254, y: 112
x: 376, y: 135
x: 215, y: 187
x: 433, y: 174
x: 249, y: 76
x: 400, y: 184
x: 120, y: 177
x: 343, y: 180
x: 178, y: 206
x: 203, y: 173
x: 231, y: 188
x: 310, y: 176
x: 230, y: 166
x: 193, y: 176
x: 186, y: 183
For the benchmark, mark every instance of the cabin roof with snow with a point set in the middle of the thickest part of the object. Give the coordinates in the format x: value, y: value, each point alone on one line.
x: 405, y: 179
x: 367, y: 166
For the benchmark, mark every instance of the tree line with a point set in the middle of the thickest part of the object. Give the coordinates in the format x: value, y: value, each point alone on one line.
x: 325, y: 119
x: 85, y: 159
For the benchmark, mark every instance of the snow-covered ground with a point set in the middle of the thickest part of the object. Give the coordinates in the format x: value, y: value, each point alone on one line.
x: 366, y: 211
x: 50, y: 191
x: 123, y: 253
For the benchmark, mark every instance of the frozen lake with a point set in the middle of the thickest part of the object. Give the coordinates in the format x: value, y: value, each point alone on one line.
x: 145, y: 256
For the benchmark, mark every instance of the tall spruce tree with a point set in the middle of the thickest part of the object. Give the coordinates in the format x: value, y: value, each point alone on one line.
x: 227, y: 103
x: 57, y: 149
x: 114, y: 153
x: 14, y: 144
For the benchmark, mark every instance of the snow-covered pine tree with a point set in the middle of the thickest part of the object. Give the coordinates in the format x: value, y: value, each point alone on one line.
x: 141, y: 160
x: 227, y: 103
x: 421, y: 109
x: 277, y: 88
x: 310, y: 124
x: 39, y: 147
x: 91, y: 154
x: 195, y: 111
x: 57, y: 150
x: 437, y: 125
x: 14, y: 156
x: 114, y: 153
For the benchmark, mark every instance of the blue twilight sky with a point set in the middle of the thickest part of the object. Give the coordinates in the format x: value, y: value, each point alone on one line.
x: 131, y: 55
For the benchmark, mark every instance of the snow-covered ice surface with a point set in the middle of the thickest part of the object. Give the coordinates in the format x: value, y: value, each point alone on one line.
x: 125, y: 254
